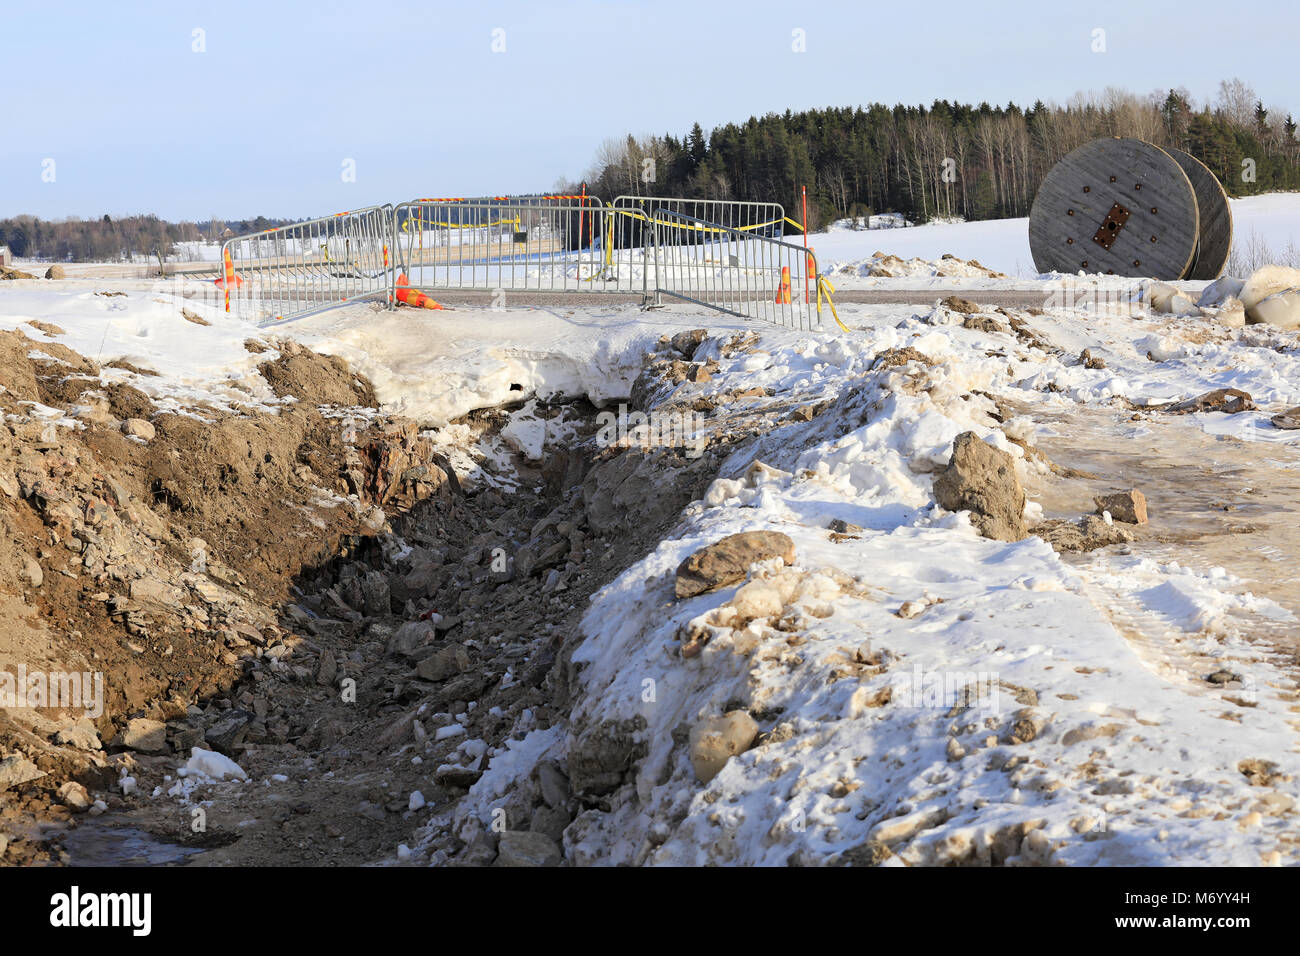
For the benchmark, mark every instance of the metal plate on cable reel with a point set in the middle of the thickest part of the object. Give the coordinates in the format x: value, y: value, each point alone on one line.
x: 1215, y: 233
x: 1118, y: 207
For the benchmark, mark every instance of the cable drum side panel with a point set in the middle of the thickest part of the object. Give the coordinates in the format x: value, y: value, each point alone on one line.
x: 1157, y: 237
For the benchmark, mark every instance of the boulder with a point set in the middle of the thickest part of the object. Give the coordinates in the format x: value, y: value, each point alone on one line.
x: 982, y: 480
x: 81, y: 735
x: 1127, y: 506
x: 1227, y: 400
x: 957, y: 304
x: 716, y: 740
x: 75, y: 796
x: 1289, y: 419
x: 139, y: 428
x: 525, y: 848
x: 55, y: 272
x: 727, y: 561
x: 687, y: 342
x: 443, y: 663
x: 146, y: 736
x: 408, y: 637
x: 17, y: 769
x: 227, y: 734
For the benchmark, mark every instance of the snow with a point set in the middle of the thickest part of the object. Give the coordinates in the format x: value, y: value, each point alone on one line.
x: 1012, y: 620
x: 1135, y: 757
x: 208, y: 765
x: 1003, y: 244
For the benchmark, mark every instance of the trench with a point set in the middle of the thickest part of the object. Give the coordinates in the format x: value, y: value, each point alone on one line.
x: 463, y: 617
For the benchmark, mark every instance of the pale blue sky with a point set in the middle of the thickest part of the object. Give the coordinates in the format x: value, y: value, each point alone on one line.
x: 262, y: 122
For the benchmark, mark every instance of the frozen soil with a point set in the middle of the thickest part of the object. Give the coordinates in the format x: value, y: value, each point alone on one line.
x: 417, y: 662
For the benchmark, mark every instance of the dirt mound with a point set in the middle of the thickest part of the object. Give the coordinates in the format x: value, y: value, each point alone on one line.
x: 161, y: 565
x: 316, y: 379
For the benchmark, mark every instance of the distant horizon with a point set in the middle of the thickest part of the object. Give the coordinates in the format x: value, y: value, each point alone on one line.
x: 237, y: 110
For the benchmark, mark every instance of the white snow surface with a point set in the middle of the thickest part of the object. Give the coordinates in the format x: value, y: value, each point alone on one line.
x: 1135, y: 760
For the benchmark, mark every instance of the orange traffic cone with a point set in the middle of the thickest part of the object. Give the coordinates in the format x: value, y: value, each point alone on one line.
x: 413, y: 297
x: 783, y: 293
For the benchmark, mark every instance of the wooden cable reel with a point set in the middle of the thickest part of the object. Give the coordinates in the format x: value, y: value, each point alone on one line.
x: 1126, y: 207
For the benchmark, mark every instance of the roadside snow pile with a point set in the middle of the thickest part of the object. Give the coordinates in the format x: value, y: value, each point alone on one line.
x: 896, y: 688
x: 883, y: 265
x: 148, y: 334
x: 435, y: 367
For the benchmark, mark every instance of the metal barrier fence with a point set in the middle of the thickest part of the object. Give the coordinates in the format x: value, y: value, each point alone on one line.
x: 296, y: 270
x: 631, y: 221
x: 537, y: 244
x: 725, y: 255
x: 735, y: 271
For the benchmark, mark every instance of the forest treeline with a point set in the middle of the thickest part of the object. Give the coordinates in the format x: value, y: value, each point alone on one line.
x: 110, y: 240
x: 948, y: 159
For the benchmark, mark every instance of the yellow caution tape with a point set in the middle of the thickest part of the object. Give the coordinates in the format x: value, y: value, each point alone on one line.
x: 825, y: 288
x: 428, y: 223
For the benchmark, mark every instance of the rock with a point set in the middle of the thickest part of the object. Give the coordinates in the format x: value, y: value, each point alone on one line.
x: 75, y: 796
x: 553, y: 784
x: 444, y: 662
x: 716, y: 740
x: 698, y: 373
x: 81, y: 735
x: 227, y: 734
x: 328, y: 668
x: 550, y: 822
x: 982, y: 480
x: 1228, y: 400
x: 375, y: 594
x: 525, y: 848
x: 957, y: 304
x: 146, y: 736
x: 603, y: 753
x: 1289, y: 419
x: 727, y: 561
x: 1127, y: 506
x: 687, y: 342
x: 185, y: 737
x: 1087, y: 534
x: 17, y: 769
x: 1219, y: 292
x: 139, y: 428
x: 407, y: 638
x: 31, y: 572
x: 1280, y: 310
x: 54, y: 272
x: 461, y: 777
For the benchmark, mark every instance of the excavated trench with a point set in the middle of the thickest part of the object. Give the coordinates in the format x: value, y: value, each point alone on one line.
x: 411, y: 653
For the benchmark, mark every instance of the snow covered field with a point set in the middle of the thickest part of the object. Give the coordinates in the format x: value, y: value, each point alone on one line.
x: 1093, y: 735
x: 1003, y: 244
